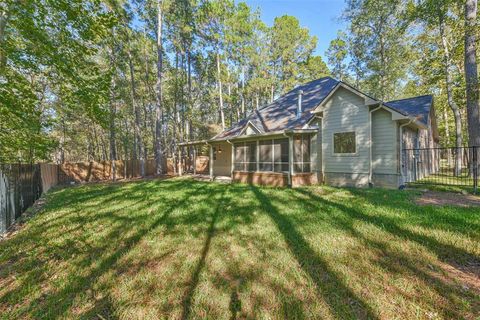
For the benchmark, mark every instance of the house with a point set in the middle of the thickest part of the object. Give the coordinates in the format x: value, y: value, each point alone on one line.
x: 324, y: 131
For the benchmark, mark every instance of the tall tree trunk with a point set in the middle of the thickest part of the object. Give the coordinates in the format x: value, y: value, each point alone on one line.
x: 3, y: 25
x: 158, y: 107
x: 219, y: 80
x: 190, y: 100
x: 62, y: 142
x: 447, y: 136
x: 471, y: 75
x: 243, y: 91
x: 136, y: 111
x: 451, y: 102
x: 113, y: 112
x: 383, y: 82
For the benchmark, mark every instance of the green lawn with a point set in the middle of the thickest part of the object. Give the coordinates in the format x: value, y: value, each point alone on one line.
x: 186, y: 249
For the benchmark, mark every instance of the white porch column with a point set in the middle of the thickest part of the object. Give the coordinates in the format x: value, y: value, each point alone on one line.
x: 194, y: 159
x: 210, y: 162
x: 180, y: 171
x: 290, y: 159
x: 232, y: 159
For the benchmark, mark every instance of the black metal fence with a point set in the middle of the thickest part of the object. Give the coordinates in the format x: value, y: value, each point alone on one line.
x: 20, y: 186
x: 442, y: 166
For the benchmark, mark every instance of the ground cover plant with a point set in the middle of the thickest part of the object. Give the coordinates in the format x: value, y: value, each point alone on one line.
x: 181, y: 248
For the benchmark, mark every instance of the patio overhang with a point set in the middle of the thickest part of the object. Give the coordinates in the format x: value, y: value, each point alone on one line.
x: 248, y: 137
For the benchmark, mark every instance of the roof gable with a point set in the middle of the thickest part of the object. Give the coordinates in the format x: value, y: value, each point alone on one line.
x: 342, y: 85
x: 281, y: 114
x: 418, y: 107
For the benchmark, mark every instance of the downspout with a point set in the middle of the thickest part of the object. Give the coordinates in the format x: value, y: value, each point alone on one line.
x: 370, y: 170
x: 402, y: 182
x: 290, y: 158
x: 210, y: 160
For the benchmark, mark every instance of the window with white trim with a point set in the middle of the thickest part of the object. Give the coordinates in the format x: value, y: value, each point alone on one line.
x: 301, y: 153
x: 344, y: 143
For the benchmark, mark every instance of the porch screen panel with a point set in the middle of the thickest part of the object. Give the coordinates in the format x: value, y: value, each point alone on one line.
x: 280, y: 155
x: 239, y: 164
x: 245, y: 156
x: 301, y: 153
x: 251, y: 156
x: 265, y: 156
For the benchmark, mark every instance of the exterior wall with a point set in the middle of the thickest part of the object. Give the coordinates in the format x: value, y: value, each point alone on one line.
x: 410, y: 141
x: 418, y: 164
x: 316, y: 152
x: 275, y: 179
x: 346, y: 111
x: 385, y: 150
x: 261, y: 178
x: 304, y: 179
x: 222, y: 165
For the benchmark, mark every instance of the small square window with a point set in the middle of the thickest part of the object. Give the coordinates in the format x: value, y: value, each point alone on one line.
x: 344, y: 143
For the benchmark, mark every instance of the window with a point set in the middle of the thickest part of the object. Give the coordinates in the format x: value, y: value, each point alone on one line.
x: 344, y: 143
x: 301, y: 153
x: 245, y: 156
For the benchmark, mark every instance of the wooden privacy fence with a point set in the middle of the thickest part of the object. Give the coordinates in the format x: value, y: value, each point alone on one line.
x: 20, y: 186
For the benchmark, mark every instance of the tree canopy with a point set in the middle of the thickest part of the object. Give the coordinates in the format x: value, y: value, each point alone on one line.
x: 130, y: 79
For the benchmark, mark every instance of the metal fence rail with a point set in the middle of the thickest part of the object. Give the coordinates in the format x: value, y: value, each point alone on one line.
x: 20, y: 186
x: 442, y: 166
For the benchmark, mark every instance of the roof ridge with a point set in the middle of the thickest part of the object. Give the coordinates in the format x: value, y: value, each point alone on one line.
x: 423, y: 95
x: 302, y: 85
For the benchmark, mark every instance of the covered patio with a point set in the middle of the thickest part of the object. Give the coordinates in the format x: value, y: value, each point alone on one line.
x: 286, y: 158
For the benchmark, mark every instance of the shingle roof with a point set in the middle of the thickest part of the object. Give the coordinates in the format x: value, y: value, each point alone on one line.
x: 418, y: 107
x: 281, y: 113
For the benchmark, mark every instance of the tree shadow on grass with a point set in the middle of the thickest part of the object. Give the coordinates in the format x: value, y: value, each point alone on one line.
x: 187, y: 300
x: 445, y: 252
x: 458, y: 219
x: 342, y: 301
x: 398, y: 263
x: 56, y: 303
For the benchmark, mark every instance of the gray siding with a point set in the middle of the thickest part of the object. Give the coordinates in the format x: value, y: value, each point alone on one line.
x: 346, y: 111
x: 384, y: 143
x: 410, y: 141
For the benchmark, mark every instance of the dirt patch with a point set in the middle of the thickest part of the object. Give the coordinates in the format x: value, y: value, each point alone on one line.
x: 447, y: 198
x: 468, y: 274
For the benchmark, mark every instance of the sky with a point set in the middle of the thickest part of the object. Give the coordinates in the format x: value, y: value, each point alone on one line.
x: 321, y: 17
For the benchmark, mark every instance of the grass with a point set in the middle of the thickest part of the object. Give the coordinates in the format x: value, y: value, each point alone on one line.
x: 186, y: 249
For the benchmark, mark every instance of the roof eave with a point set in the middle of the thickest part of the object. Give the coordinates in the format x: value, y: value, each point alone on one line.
x: 265, y: 134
